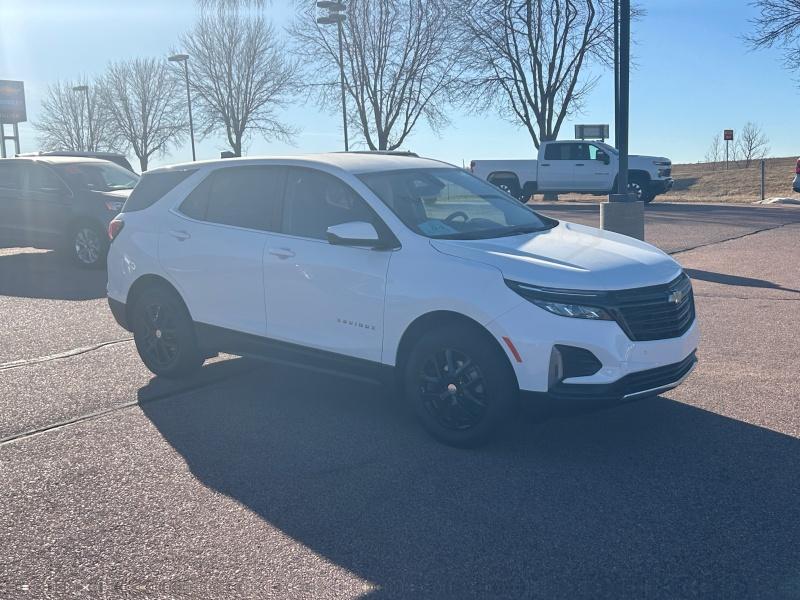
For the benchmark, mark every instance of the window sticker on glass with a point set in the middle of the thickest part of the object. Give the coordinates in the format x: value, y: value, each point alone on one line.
x: 435, y: 227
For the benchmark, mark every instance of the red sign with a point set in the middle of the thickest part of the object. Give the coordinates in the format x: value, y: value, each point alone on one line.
x: 728, y: 135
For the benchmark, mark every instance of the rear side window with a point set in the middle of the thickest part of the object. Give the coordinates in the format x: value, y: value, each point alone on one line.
x: 152, y: 187
x: 558, y: 152
x: 249, y: 197
x: 11, y: 175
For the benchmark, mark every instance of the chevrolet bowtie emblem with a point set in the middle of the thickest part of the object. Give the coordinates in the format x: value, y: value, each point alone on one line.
x: 675, y: 297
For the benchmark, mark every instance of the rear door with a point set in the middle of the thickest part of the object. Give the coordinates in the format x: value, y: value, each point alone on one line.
x: 11, y: 200
x: 47, y: 205
x: 212, y: 245
x: 556, y: 168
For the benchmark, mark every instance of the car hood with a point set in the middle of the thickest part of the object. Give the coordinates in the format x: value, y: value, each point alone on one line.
x: 114, y: 194
x: 643, y: 161
x: 569, y: 256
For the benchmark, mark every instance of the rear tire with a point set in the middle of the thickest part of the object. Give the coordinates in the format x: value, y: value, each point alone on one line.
x: 88, y: 246
x: 164, y: 334
x: 460, y: 386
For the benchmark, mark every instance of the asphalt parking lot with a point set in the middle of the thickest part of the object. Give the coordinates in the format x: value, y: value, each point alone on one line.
x: 256, y: 481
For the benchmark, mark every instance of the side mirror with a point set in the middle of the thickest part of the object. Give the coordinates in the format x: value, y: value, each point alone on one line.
x: 354, y: 233
x: 605, y: 158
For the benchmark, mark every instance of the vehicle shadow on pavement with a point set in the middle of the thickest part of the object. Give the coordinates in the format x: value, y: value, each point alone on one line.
x: 736, y: 280
x: 653, y: 499
x: 29, y: 273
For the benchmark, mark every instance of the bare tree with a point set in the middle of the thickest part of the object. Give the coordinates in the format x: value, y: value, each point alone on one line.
x: 241, y: 77
x: 778, y: 25
x: 530, y: 58
x: 68, y: 123
x: 146, y: 106
x: 399, y: 65
x: 753, y: 143
x: 716, y: 152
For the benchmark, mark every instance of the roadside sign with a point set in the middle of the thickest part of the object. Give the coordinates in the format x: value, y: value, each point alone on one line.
x: 591, y: 132
x: 728, y: 135
x: 12, y: 102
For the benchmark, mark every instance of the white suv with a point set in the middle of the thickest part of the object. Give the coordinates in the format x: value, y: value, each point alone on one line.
x: 378, y: 265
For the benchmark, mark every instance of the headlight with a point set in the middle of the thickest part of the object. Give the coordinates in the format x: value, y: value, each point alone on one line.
x: 577, y: 304
x: 662, y: 163
x: 576, y: 311
x: 114, y: 205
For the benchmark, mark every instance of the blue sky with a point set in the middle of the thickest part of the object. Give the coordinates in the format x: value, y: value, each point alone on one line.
x: 695, y: 76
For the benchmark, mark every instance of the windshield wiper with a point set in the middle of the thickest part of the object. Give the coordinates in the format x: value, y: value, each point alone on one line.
x: 520, y: 229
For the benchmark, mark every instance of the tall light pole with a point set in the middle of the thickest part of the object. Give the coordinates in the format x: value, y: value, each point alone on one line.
x: 184, y: 58
x: 337, y: 15
x: 622, y: 213
x: 85, y: 90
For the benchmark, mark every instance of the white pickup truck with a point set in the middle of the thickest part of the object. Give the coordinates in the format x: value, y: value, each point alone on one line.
x: 576, y: 166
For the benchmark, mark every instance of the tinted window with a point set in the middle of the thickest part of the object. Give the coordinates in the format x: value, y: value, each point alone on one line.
x: 580, y: 151
x: 316, y: 200
x: 558, y: 152
x: 100, y: 176
x: 10, y: 175
x: 152, y: 187
x: 242, y: 196
x: 44, y: 180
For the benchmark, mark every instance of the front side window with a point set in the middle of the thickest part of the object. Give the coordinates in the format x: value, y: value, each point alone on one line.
x: 449, y: 203
x: 317, y: 200
x: 97, y: 176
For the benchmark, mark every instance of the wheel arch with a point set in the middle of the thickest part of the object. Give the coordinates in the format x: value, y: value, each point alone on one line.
x: 504, y: 175
x: 440, y: 319
x: 144, y: 283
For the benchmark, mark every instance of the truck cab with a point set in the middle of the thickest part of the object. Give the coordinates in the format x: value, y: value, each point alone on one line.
x: 577, y: 166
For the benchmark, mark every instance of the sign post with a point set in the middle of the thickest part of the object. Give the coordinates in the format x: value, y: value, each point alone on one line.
x: 727, y: 134
x: 12, y: 112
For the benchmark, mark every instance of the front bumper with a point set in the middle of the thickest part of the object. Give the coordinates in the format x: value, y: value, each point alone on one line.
x: 661, y: 186
x: 629, y: 368
x: 568, y: 397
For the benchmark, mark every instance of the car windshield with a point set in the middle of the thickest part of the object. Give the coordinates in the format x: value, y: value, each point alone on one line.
x: 97, y: 176
x: 449, y: 203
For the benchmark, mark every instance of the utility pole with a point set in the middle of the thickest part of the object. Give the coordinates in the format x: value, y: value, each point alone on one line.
x: 336, y: 14
x: 622, y: 213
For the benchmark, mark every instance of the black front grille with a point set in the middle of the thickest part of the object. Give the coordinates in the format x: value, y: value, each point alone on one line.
x: 657, y: 312
x: 658, y: 377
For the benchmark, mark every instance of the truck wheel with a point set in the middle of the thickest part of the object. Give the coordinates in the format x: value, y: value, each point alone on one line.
x: 637, y: 185
x: 460, y: 386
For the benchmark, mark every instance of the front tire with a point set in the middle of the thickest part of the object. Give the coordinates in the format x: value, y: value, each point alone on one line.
x: 638, y: 186
x: 460, y: 386
x: 164, y: 334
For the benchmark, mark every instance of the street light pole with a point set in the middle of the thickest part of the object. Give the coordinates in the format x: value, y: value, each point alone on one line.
x: 85, y: 90
x: 337, y: 15
x: 622, y: 213
x: 184, y: 58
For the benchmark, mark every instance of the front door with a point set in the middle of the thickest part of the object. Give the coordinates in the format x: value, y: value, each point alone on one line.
x: 592, y: 172
x: 212, y: 246
x: 319, y: 295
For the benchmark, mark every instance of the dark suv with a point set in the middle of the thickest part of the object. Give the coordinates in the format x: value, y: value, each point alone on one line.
x: 63, y: 203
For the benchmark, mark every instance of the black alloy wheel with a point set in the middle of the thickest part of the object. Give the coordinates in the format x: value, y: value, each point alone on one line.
x: 460, y: 385
x: 453, y: 389
x: 164, y: 334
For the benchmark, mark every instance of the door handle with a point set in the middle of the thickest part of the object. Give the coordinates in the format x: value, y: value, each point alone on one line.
x: 282, y: 253
x: 580, y: 165
x: 544, y: 165
x: 180, y: 234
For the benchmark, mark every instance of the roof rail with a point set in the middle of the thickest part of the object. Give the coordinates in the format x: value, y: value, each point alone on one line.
x: 383, y: 152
